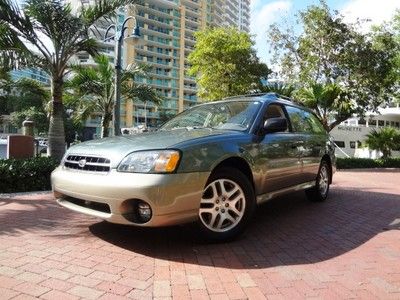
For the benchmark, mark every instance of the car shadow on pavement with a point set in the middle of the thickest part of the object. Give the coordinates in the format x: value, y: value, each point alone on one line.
x: 285, y: 231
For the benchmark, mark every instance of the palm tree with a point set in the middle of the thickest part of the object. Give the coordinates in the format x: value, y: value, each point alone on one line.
x: 385, y: 140
x: 47, y: 34
x: 279, y: 88
x: 95, y: 87
x: 328, y: 101
x: 24, y: 98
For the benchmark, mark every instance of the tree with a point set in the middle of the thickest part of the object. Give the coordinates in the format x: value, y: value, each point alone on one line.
x: 225, y: 64
x: 385, y: 140
x: 279, y: 88
x: 25, y: 93
x: 22, y: 43
x: 37, y: 115
x: 5, y: 81
x: 330, y: 51
x: 329, y: 102
x: 93, y: 90
x: 25, y: 98
x: 386, y: 37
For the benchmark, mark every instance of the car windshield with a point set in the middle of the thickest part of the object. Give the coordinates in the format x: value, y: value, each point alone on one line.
x: 232, y: 115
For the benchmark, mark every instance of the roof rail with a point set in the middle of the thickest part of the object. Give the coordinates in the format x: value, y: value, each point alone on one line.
x: 264, y: 94
x: 284, y: 97
x: 247, y: 95
x: 293, y: 100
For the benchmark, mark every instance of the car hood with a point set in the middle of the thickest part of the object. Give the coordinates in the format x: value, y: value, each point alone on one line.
x: 116, y: 148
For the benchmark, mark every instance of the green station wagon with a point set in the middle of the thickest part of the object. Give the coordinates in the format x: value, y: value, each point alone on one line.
x: 212, y: 164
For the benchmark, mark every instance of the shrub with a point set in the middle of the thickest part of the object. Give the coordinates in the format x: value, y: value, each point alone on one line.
x: 363, y: 163
x: 24, y: 175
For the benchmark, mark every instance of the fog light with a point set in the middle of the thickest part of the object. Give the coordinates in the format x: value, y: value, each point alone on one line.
x: 144, y: 211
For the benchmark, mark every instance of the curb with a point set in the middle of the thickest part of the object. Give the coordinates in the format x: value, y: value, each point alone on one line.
x: 12, y: 195
x: 386, y: 170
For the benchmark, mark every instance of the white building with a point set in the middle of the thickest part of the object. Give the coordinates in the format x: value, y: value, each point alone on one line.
x: 351, y: 134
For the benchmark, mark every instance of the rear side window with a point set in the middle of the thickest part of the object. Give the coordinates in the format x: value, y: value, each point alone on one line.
x: 304, y: 121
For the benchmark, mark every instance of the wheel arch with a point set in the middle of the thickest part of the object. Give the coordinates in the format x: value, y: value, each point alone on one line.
x: 237, y: 163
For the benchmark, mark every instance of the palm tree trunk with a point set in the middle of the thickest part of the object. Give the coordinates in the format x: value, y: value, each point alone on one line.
x: 105, y: 124
x: 56, y: 142
x: 386, y: 153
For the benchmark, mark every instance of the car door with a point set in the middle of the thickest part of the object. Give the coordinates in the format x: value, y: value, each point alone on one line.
x: 312, y: 136
x: 279, y: 156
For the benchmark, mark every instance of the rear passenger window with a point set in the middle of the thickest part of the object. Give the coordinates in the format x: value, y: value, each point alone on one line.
x: 304, y: 121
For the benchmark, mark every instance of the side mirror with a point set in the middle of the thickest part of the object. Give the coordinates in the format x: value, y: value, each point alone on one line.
x: 275, y: 125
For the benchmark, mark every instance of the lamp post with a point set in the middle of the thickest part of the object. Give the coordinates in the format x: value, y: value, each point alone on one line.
x: 119, y: 38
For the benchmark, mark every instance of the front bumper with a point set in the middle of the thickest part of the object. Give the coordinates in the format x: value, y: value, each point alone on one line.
x: 174, y: 198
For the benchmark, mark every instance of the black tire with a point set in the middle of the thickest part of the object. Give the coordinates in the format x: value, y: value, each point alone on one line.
x: 227, y: 206
x: 320, y: 191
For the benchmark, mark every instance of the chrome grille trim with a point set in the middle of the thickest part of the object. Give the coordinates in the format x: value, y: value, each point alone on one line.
x: 87, y: 163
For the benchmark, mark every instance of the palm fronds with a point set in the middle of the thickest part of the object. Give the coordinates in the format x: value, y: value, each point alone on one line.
x: 46, y: 34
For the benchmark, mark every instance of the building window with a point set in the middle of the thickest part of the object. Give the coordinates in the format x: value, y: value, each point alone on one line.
x: 353, y: 144
x: 340, y: 144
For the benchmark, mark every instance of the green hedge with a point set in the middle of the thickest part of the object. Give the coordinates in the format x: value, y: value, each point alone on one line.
x: 363, y: 163
x: 25, y: 175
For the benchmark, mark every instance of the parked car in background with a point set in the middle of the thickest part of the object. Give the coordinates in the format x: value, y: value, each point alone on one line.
x: 212, y: 164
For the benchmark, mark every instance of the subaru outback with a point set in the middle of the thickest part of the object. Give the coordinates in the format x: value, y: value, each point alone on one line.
x: 212, y: 164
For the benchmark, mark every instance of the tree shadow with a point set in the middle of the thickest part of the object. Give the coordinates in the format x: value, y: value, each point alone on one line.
x: 287, y: 230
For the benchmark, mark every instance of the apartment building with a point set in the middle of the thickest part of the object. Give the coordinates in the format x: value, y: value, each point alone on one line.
x: 167, y: 28
x: 32, y: 73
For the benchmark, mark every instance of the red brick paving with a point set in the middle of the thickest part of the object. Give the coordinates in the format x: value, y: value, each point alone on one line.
x: 347, y: 247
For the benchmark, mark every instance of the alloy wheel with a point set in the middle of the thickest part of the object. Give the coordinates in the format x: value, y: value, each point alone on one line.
x: 222, y: 205
x: 323, y: 183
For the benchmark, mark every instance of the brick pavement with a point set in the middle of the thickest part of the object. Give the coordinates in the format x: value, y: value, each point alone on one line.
x: 347, y: 247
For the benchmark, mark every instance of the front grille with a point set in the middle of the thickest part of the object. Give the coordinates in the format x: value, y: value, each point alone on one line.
x: 87, y: 163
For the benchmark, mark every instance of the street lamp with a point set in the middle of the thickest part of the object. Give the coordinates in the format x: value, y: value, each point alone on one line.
x: 119, y: 38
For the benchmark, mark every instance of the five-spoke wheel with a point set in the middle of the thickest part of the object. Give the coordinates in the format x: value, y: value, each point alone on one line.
x: 222, y: 205
x: 227, y: 201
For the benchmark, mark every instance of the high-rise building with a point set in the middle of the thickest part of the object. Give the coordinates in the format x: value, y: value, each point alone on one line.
x: 32, y: 73
x: 167, y: 28
x: 232, y: 13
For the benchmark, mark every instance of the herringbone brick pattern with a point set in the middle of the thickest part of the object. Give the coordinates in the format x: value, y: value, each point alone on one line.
x: 347, y: 247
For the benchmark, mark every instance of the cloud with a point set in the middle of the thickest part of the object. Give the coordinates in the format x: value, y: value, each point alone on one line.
x: 263, y: 15
x: 374, y: 11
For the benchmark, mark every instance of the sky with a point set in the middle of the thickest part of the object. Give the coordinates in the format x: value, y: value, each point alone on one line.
x: 266, y: 12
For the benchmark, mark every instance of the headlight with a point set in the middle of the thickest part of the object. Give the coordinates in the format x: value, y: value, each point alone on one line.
x: 162, y: 161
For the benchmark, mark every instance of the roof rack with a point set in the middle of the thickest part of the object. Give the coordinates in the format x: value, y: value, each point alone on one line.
x: 265, y: 94
x: 247, y: 95
x: 284, y: 97
x: 260, y: 94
